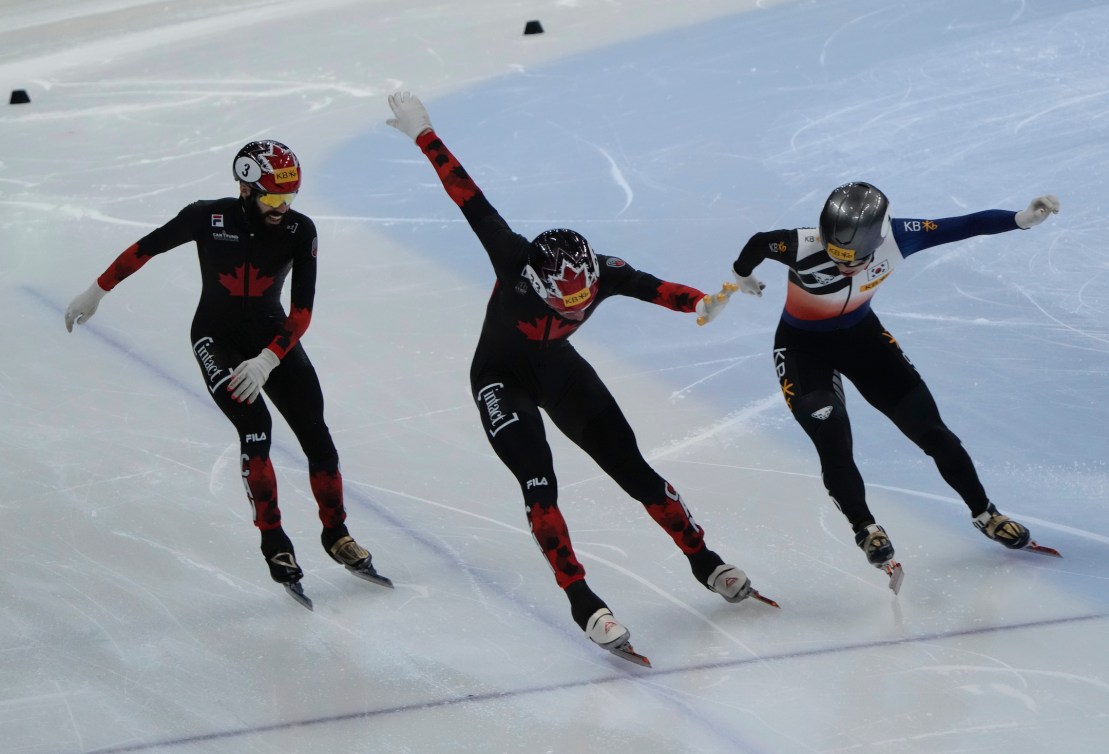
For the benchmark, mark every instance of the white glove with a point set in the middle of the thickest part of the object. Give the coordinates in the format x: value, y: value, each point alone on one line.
x: 712, y: 304
x: 1037, y: 211
x: 749, y: 284
x: 83, y: 306
x: 248, y: 378
x: 412, y: 117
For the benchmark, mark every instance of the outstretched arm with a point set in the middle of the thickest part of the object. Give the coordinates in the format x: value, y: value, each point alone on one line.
x: 507, y: 250
x: 172, y: 234
x: 624, y: 280
x: 913, y: 235
x: 411, y: 118
x: 684, y: 298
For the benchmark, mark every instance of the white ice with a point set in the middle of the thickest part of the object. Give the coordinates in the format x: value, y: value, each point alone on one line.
x: 137, y: 612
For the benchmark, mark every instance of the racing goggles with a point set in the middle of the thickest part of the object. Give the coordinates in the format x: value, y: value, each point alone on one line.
x: 276, y: 200
x: 862, y: 262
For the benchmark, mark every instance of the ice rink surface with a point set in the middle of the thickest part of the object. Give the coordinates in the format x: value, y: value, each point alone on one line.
x: 138, y: 614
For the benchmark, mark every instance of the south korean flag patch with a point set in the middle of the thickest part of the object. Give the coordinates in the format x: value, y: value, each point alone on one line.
x: 878, y: 270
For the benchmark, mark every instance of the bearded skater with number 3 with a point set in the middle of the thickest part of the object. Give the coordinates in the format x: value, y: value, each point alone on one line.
x: 245, y: 343
x: 545, y: 290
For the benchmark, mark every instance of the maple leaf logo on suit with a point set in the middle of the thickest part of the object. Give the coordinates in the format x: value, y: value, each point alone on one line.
x: 245, y: 281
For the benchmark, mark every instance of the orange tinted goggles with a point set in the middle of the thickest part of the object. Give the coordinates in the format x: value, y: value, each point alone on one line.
x: 276, y: 200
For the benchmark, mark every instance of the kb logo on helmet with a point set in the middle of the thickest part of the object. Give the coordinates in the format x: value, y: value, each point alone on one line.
x: 286, y: 175
x: 576, y: 299
x: 841, y: 254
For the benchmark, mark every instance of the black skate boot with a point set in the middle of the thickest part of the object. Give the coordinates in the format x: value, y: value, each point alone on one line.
x: 874, y: 542
x: 342, y: 548
x: 278, y: 551
x: 1001, y: 528
x: 280, y: 558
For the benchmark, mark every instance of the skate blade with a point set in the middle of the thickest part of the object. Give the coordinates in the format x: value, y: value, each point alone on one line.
x: 1042, y: 549
x: 766, y: 600
x: 368, y: 573
x: 893, y: 569
x: 626, y: 652
x: 296, y: 591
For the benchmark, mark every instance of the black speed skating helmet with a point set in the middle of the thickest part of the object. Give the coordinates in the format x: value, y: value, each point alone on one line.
x: 854, y: 222
x: 563, y: 270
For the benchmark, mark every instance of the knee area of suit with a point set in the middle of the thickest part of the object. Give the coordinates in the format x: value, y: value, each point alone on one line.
x: 821, y: 411
x: 937, y: 440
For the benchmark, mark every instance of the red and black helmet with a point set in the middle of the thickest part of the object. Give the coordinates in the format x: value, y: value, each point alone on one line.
x: 268, y: 167
x: 563, y: 270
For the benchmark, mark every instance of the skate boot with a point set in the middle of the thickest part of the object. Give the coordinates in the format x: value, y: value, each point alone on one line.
x: 608, y: 633
x: 730, y: 582
x: 874, y: 542
x: 593, y: 616
x: 278, y: 551
x: 342, y: 548
x: 605, y: 631
x: 1001, y: 528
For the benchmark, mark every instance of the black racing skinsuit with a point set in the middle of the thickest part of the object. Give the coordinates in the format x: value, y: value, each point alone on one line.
x: 524, y: 361
x: 828, y: 331
x: 243, y: 266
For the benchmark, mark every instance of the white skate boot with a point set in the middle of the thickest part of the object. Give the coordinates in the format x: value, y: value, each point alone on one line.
x: 605, y: 631
x: 609, y: 633
x: 730, y: 582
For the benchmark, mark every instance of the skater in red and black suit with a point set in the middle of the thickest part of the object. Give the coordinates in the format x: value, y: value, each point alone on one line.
x: 244, y: 341
x: 545, y: 290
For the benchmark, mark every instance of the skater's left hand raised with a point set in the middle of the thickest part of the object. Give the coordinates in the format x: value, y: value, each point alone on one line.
x: 1037, y: 211
x: 411, y: 115
x: 248, y: 378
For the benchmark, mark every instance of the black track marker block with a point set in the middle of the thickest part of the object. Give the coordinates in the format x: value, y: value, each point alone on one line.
x: 19, y: 97
x: 533, y: 27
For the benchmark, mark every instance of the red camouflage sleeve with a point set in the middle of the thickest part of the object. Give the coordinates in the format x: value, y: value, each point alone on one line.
x: 302, y: 294
x: 680, y: 298
x: 171, y: 235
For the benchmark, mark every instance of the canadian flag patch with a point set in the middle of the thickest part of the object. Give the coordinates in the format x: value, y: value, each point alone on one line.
x: 217, y: 221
